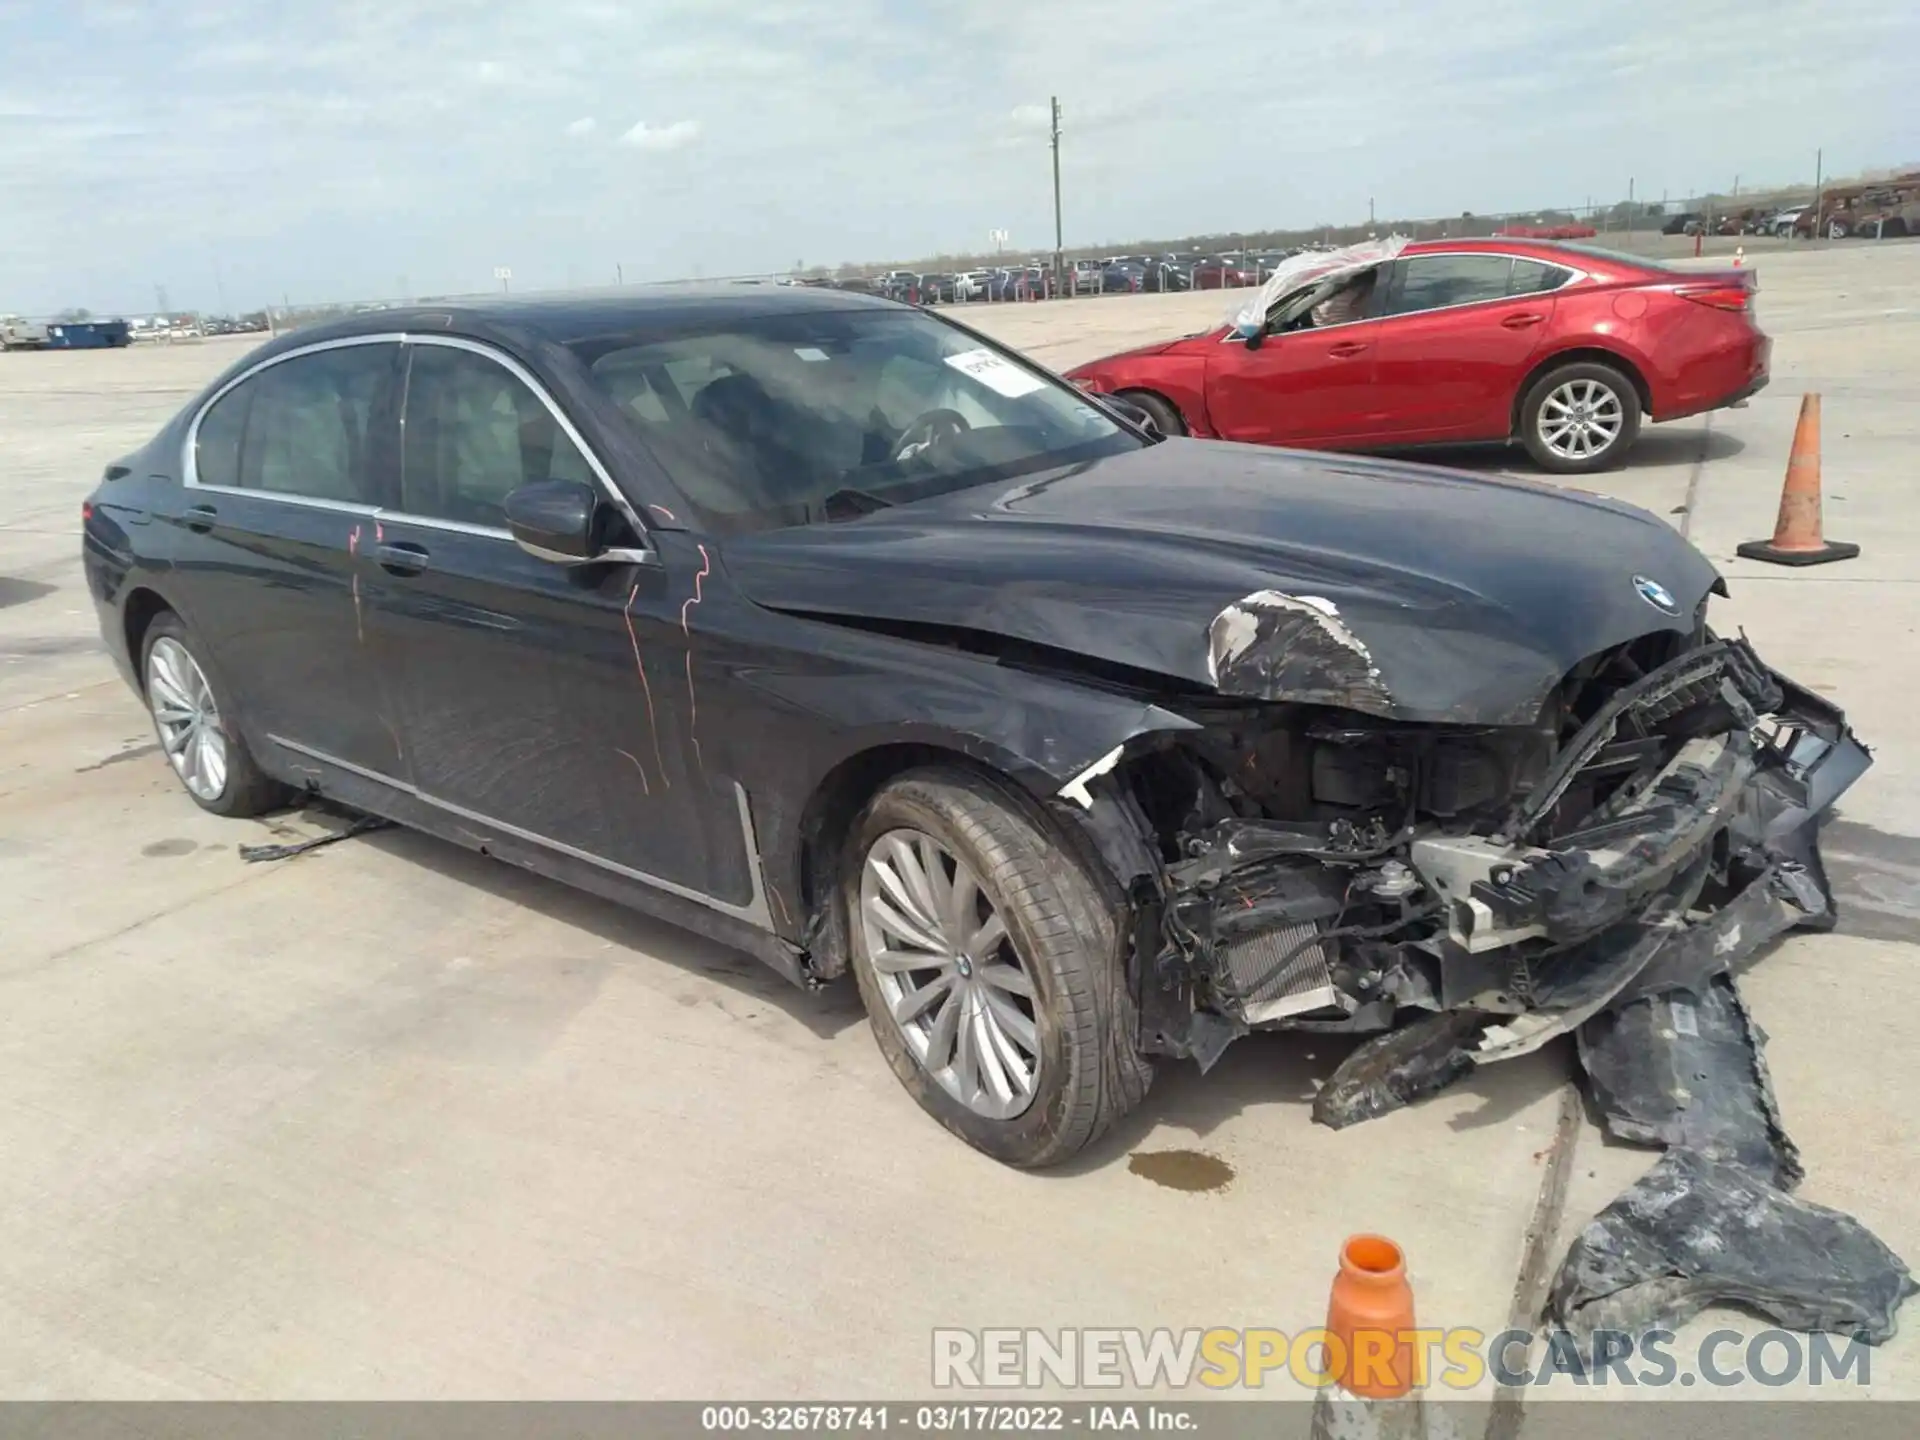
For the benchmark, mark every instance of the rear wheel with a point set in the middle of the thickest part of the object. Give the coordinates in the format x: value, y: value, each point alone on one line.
x: 1580, y: 418
x: 988, y: 962
x: 195, y: 723
x: 1165, y: 414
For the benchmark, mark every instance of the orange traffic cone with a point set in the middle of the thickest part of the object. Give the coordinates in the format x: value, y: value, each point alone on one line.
x: 1370, y: 1337
x: 1797, y: 539
x: 1739, y: 256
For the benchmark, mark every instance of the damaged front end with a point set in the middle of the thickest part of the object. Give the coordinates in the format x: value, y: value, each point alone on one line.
x: 1476, y: 890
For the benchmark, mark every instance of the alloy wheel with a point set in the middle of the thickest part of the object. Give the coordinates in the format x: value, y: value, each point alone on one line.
x: 1581, y: 419
x: 187, y: 718
x: 949, y: 974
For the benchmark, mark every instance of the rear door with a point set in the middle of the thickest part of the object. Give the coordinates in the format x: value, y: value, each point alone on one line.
x: 1457, y: 337
x: 285, y: 473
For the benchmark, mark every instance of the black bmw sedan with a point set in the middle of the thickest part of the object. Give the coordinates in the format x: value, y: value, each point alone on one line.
x: 831, y: 628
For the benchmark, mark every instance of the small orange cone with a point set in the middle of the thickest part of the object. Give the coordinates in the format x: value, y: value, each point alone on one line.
x: 1370, y: 1338
x: 1797, y: 538
x: 1739, y: 256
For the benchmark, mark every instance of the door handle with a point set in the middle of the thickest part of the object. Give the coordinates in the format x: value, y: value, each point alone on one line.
x: 1345, y: 349
x: 401, y: 558
x: 1522, y: 321
x: 200, y: 518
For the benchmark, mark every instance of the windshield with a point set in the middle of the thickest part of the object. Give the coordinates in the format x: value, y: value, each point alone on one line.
x: 820, y: 416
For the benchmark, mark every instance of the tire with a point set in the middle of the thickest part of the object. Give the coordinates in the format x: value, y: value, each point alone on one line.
x: 1584, y: 382
x: 1163, y: 411
x: 1061, y: 935
x: 244, y: 790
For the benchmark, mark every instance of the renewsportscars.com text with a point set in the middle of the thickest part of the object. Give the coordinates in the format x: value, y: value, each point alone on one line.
x: 1459, y: 1359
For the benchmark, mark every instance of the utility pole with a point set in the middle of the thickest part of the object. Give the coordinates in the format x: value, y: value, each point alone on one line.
x: 1629, y: 211
x: 619, y: 275
x: 1369, y: 212
x: 160, y: 298
x: 1059, y: 247
x: 1813, y: 230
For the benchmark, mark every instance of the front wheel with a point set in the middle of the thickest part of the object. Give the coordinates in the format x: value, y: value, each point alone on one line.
x: 1580, y: 418
x: 989, y: 964
x: 1163, y: 411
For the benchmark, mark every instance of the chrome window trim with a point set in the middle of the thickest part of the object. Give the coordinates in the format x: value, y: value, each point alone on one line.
x: 1573, y: 273
x: 754, y: 912
x: 189, y: 459
x: 190, y: 470
x: 513, y: 367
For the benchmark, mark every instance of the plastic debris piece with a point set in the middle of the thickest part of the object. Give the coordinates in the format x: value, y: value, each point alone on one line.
x: 1698, y: 1231
x: 1393, y: 1070
x: 254, y: 854
x: 1686, y: 1070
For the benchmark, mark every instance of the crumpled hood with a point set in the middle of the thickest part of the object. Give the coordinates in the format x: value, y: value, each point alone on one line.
x: 1398, y: 590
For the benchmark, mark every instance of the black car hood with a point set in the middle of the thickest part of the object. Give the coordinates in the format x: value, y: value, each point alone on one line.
x: 1404, y: 591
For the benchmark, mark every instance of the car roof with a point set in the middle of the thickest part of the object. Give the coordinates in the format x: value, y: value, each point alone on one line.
x: 586, y: 315
x: 1549, y: 251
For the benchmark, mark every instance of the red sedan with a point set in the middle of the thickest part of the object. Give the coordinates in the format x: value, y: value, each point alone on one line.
x: 1562, y: 347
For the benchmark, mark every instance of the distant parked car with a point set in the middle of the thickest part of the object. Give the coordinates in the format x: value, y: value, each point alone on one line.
x: 1027, y: 282
x: 1677, y: 224
x: 971, y: 285
x: 1469, y: 340
x: 1216, y: 272
x: 1567, y: 230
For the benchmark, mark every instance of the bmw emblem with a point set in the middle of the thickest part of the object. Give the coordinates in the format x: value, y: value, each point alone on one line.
x: 1655, y: 594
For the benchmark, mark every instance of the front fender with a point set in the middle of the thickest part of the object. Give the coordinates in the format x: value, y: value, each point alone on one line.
x: 1178, y: 376
x: 1041, y: 731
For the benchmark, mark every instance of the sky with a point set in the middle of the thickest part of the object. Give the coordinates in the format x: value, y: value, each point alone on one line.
x: 242, y: 152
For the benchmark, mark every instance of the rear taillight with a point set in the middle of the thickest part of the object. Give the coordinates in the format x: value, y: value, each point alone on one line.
x: 86, y: 511
x: 1720, y: 297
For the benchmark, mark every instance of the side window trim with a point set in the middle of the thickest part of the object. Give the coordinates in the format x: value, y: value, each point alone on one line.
x: 609, y: 491
x: 189, y: 465
x: 1400, y: 273
x: 190, y: 450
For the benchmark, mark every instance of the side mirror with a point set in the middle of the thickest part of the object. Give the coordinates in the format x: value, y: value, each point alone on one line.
x: 556, y: 520
x: 1256, y: 338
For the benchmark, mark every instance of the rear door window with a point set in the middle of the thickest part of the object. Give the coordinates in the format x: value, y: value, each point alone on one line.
x: 1531, y: 277
x: 216, y: 446
x: 309, y: 424
x: 1434, y: 282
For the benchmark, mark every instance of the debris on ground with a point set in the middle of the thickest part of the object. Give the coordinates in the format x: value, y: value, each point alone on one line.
x: 1699, y: 1230
x: 1686, y: 1071
x: 361, y: 825
x: 1398, y: 1068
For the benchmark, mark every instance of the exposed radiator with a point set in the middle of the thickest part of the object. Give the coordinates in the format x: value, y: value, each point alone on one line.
x: 1270, y: 990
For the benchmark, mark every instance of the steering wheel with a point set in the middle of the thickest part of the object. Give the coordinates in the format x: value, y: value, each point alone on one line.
x: 936, y: 427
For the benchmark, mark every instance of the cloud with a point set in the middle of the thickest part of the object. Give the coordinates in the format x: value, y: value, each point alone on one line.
x: 284, y: 136
x: 677, y: 136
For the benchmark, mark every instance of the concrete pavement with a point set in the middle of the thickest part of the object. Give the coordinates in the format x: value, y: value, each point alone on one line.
x: 393, y: 1120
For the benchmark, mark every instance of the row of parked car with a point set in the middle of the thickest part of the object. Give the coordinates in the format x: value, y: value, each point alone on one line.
x: 1879, y: 218
x: 1035, y: 279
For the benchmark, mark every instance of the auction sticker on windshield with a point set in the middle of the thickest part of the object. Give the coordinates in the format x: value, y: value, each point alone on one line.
x: 995, y: 373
